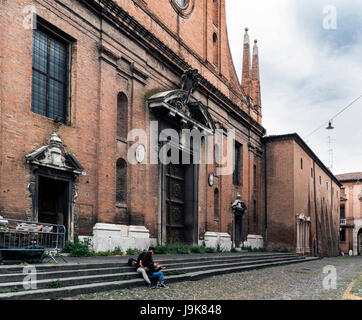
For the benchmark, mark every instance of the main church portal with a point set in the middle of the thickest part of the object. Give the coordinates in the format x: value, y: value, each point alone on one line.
x: 180, y: 203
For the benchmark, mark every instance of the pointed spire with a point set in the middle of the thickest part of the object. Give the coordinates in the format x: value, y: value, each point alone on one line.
x: 255, y: 78
x: 246, y: 76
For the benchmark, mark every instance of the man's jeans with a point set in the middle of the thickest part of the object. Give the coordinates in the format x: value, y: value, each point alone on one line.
x: 157, y: 275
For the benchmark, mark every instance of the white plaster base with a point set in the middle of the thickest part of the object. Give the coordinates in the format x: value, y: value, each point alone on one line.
x: 111, y: 236
x: 255, y: 241
x: 213, y: 239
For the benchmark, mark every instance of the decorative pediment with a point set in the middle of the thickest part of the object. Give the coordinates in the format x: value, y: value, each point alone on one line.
x: 181, y: 105
x: 55, y: 157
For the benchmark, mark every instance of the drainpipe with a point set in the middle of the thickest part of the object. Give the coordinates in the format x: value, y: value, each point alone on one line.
x: 265, y: 199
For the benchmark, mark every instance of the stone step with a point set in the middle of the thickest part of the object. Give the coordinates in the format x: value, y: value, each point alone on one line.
x: 6, y: 269
x: 117, y: 285
x: 45, y: 282
x: 207, y: 273
x: 111, y: 269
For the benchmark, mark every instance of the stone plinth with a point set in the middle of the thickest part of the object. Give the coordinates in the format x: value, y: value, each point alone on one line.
x: 215, y: 239
x: 255, y: 241
x: 111, y: 236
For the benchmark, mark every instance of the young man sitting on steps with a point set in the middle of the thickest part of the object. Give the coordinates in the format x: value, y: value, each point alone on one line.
x: 151, y: 270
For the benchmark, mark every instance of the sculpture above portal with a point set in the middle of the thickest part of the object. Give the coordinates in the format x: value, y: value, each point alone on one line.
x: 189, y: 82
x: 180, y: 104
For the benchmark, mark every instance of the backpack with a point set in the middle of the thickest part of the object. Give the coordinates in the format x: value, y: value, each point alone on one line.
x: 132, y: 262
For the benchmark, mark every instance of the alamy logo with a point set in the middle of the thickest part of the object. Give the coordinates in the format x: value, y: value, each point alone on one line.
x: 29, y: 14
x: 30, y: 279
x: 330, y: 281
x: 199, y: 147
x: 330, y: 17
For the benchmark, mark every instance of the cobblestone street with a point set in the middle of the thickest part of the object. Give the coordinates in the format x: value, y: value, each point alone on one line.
x: 302, y: 281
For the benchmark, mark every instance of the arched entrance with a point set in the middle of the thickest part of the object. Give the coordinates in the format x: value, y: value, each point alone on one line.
x: 359, y: 242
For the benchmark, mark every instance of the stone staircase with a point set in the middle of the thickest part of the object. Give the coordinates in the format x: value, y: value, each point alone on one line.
x: 69, y: 279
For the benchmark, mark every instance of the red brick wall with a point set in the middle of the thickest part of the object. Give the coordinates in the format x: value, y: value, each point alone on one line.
x: 96, y: 80
x: 291, y: 191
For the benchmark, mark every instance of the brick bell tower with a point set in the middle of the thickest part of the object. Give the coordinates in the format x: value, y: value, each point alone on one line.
x: 250, y: 80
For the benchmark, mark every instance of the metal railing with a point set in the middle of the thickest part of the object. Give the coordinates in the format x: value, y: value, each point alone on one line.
x: 21, y: 235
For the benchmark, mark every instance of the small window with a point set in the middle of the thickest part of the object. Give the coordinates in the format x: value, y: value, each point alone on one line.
x: 237, y: 164
x: 214, y: 37
x: 320, y: 180
x: 301, y: 163
x: 216, y: 204
x: 255, y: 177
x: 311, y: 172
x: 255, y: 214
x: 342, y: 213
x: 122, y: 116
x: 50, y: 75
x: 121, y: 180
x: 342, y: 235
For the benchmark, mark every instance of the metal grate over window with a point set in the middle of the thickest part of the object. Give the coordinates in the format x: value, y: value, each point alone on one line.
x: 49, y: 80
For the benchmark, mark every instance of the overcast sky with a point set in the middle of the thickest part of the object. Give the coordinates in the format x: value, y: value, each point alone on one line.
x: 310, y: 68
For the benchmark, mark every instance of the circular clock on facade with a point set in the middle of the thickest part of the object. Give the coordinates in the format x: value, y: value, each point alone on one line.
x: 140, y: 153
x: 183, y: 7
x: 211, y: 179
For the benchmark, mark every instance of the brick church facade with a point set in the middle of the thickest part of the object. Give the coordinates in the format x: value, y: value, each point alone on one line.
x: 96, y: 94
x: 78, y: 76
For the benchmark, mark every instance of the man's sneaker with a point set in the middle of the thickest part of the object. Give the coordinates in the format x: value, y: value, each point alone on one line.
x: 152, y: 286
x: 161, y: 286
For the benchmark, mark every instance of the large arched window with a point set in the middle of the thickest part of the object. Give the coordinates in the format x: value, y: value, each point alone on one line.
x: 122, y: 116
x: 121, y: 180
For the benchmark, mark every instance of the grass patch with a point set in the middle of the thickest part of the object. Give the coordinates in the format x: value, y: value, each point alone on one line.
x: 78, y: 248
x: 250, y: 249
x: 125, y: 277
x: 210, y: 250
x: 14, y: 289
x: 174, y: 272
x: 115, y: 252
x: 54, y: 284
x: 198, y: 249
x: 175, y: 248
x: 132, y: 252
x: 282, y: 250
x: 181, y: 248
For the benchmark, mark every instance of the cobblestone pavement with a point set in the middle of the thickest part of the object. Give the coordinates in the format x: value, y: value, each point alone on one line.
x: 302, y: 281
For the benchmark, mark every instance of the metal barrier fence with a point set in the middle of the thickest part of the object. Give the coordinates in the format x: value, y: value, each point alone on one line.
x: 21, y: 235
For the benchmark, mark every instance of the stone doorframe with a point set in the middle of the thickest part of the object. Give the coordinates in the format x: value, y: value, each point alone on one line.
x: 183, y: 111
x: 356, y: 229
x: 52, y: 161
x: 303, y: 232
x: 191, y: 202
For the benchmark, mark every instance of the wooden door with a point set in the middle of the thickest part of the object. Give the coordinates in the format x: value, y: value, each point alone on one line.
x: 175, y: 203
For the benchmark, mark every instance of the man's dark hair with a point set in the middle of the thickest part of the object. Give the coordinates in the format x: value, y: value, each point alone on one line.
x: 152, y: 248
